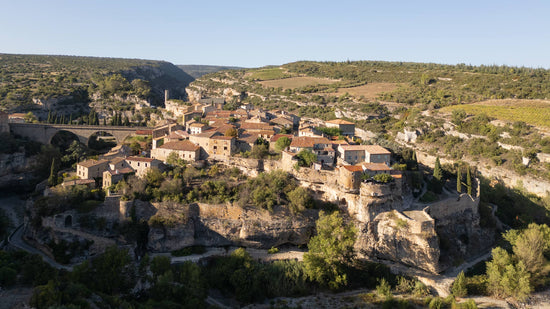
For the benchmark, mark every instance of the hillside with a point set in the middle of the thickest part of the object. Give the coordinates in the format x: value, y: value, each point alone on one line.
x: 197, y: 71
x: 448, y: 110
x: 24, y: 79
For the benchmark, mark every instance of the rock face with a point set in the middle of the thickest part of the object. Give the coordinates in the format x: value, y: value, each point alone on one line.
x: 222, y: 225
x: 385, y: 238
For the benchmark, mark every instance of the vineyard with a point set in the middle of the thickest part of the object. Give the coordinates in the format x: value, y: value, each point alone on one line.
x: 533, y: 112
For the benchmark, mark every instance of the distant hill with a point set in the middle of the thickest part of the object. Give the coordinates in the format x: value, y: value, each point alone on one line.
x: 72, y: 79
x: 199, y: 70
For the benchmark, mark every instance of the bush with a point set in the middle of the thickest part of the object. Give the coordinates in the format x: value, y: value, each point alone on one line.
x: 8, y: 276
x: 273, y: 250
x: 458, y: 288
x: 383, y: 288
x: 189, y: 251
x: 383, y: 178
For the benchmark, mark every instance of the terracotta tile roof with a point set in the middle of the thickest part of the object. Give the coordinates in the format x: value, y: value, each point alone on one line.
x: 140, y: 159
x: 92, y: 162
x: 248, y: 137
x: 116, y: 160
x: 353, y: 168
x: 339, y: 121
x: 276, y: 137
x: 308, y: 142
x: 198, y: 125
x: 221, y: 137
x: 256, y: 126
x: 207, y: 134
x: 178, y: 134
x: 17, y: 115
x: 180, y: 145
x: 371, y: 149
x: 376, y: 166
x: 375, y: 149
x: 282, y: 121
x: 126, y: 170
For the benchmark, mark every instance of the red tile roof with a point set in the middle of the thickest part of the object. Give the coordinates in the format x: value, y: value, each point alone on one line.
x: 92, y: 162
x: 276, y: 137
x: 180, y: 145
x: 256, y: 126
x: 353, y: 168
x: 376, y: 166
x: 308, y: 142
x: 140, y: 159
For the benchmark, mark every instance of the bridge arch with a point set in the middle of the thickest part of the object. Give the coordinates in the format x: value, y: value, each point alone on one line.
x: 102, y: 139
x: 64, y: 138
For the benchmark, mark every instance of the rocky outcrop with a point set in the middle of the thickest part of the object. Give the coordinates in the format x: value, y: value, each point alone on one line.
x: 393, y: 236
x: 175, y: 226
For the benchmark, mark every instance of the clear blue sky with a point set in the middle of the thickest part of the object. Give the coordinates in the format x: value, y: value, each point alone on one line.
x: 258, y: 33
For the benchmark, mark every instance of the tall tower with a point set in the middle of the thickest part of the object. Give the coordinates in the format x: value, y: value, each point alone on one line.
x: 166, y: 95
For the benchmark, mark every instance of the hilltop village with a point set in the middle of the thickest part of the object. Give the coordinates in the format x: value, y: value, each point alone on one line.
x: 205, y: 131
x: 324, y: 157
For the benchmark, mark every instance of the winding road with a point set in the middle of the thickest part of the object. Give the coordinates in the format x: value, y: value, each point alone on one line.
x: 16, y: 240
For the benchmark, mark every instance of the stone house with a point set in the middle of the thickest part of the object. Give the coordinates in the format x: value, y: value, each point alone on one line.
x: 112, y: 177
x: 353, y: 154
x: 203, y: 140
x: 349, y: 177
x: 185, y: 150
x: 347, y: 128
x: 198, y: 128
x: 118, y: 163
x: 142, y: 165
x: 91, y: 168
x: 321, y: 146
x: 310, y: 132
x: 377, y: 154
x: 221, y: 146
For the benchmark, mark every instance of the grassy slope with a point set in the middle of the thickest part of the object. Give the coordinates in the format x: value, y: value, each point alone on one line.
x: 24, y: 77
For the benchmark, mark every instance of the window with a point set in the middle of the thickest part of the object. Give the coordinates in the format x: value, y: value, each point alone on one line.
x: 145, y: 164
x: 225, y: 148
x: 138, y: 163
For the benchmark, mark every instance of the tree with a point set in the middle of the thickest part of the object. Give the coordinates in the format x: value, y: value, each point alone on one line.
x: 299, y: 199
x: 30, y: 118
x: 259, y: 151
x: 232, y: 132
x: 438, y: 173
x: 52, y: 180
x: 459, y: 286
x: 282, y: 143
x: 75, y: 153
x: 154, y: 177
x: 458, y: 180
x: 506, y: 278
x: 530, y: 245
x: 468, y: 181
x: 330, y: 250
x: 306, y: 158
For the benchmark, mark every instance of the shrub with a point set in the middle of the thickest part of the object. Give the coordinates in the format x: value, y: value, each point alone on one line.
x: 383, y: 178
x: 273, y: 250
x: 458, y: 288
x: 383, y: 288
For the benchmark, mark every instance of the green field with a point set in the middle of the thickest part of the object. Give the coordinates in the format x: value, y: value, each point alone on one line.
x: 533, y: 112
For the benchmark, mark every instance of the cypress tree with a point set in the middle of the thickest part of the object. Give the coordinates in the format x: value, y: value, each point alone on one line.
x: 49, y: 116
x: 96, y: 119
x: 458, y: 180
x: 438, y: 173
x: 71, y: 118
x: 52, y: 180
x: 469, y: 181
x: 104, y: 121
x: 63, y: 119
x: 126, y: 121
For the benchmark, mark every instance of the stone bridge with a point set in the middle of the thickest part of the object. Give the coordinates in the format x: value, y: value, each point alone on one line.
x: 44, y: 133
